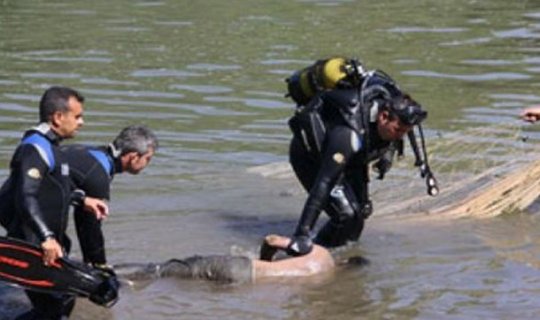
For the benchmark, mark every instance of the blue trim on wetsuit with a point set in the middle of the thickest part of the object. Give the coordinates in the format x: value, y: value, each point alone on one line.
x: 43, y: 146
x: 103, y: 159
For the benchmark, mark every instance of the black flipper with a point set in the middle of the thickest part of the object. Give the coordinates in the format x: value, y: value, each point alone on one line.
x: 21, y: 264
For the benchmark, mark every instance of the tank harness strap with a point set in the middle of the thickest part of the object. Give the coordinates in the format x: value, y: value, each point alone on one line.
x: 43, y: 147
x: 365, y: 202
x: 103, y: 160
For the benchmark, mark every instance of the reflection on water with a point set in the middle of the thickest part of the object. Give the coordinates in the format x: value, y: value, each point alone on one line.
x: 207, y: 76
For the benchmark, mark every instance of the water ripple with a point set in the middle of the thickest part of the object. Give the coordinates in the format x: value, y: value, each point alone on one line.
x: 425, y: 30
x: 197, y: 108
x: 491, y: 76
x: 149, y: 73
x: 106, y: 81
x: 492, y: 62
x: 513, y: 96
x: 249, y: 102
x: 174, y: 23
x: 50, y: 75
x: 213, y: 67
x: 201, y: 88
x: 8, y: 82
x: 16, y: 107
x: 132, y: 93
x: 523, y: 33
x: 480, y: 40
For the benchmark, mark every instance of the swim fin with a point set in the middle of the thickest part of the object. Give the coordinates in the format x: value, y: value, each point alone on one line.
x: 21, y: 264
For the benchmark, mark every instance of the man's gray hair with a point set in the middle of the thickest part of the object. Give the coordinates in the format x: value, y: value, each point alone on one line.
x: 135, y: 138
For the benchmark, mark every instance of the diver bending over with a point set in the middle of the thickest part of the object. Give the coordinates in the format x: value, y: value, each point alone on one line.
x: 228, y: 268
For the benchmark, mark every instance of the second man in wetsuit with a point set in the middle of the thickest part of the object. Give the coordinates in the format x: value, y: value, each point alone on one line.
x: 92, y: 171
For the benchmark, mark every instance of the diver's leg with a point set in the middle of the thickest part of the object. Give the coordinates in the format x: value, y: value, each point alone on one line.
x: 49, y: 306
x: 90, y: 237
x: 346, y: 219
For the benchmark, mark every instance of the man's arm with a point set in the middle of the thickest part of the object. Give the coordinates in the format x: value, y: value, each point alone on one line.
x: 340, y: 145
x: 32, y: 169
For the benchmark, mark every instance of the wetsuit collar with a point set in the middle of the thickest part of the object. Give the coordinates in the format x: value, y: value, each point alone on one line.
x: 45, y: 129
x: 115, y: 156
x: 373, y: 112
x: 375, y: 141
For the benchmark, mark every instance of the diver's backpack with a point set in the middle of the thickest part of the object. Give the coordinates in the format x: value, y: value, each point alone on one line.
x: 305, y: 87
x: 308, y: 125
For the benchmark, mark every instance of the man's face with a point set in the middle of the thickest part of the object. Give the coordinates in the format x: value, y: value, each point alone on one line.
x: 391, y: 129
x: 135, y: 163
x: 66, y: 124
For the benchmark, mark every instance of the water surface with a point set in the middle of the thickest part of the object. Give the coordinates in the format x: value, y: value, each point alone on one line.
x: 208, y: 75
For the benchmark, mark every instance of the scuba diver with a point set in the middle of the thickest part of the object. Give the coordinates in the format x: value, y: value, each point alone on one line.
x: 346, y: 117
x: 92, y: 171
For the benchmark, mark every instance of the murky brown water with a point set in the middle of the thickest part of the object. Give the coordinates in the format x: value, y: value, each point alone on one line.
x: 208, y: 77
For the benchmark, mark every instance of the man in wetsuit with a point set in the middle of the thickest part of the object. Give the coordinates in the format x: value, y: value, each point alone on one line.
x: 35, y: 199
x: 92, y: 170
x: 359, y: 126
x: 228, y: 268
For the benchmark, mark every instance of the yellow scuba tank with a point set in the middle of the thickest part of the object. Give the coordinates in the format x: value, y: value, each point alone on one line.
x: 323, y: 75
x: 333, y: 71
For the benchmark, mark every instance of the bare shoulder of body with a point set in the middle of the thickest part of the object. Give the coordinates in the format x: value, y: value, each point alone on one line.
x: 319, y: 260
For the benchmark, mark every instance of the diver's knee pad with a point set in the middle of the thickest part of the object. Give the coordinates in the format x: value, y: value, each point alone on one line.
x: 340, y: 204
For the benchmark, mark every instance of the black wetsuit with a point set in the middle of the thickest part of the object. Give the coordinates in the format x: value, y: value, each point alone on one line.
x: 221, y: 268
x: 35, y: 201
x: 340, y: 169
x: 91, y: 170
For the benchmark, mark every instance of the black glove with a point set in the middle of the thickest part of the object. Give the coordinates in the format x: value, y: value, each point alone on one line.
x: 382, y: 166
x: 299, y: 246
x: 367, y: 209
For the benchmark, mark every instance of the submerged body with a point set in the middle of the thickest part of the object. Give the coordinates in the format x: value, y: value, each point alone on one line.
x: 229, y: 268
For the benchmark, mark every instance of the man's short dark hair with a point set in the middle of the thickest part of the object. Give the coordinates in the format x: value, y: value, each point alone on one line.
x: 135, y: 138
x: 56, y: 99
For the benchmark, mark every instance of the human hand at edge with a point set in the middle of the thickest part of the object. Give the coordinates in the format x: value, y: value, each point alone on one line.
x: 97, y: 207
x: 531, y: 114
x: 51, y: 251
